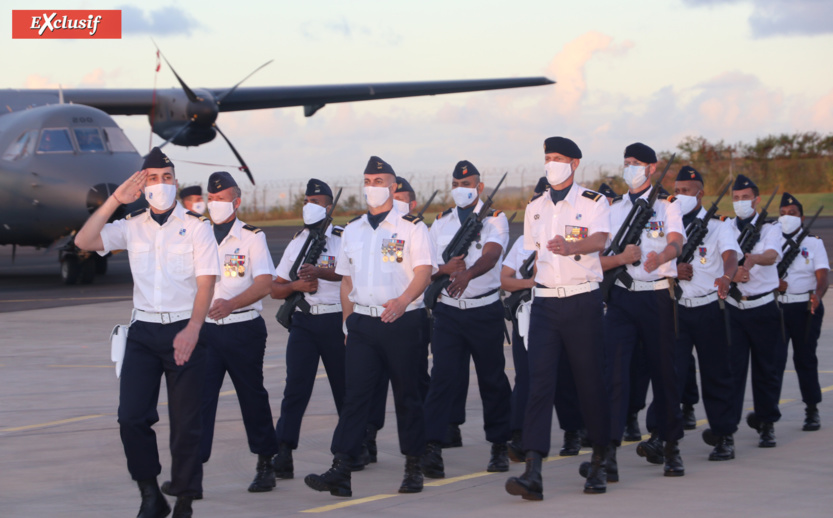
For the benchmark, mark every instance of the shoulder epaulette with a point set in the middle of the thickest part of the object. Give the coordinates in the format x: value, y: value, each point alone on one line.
x: 493, y: 213
x: 445, y: 213
x: 535, y: 197
x: 297, y: 233
x: 593, y: 195
x: 252, y: 228
x: 721, y: 218
x: 770, y: 221
x: 412, y: 218
x: 354, y: 219
x: 196, y: 215
x: 618, y: 198
x: 667, y: 197
x: 337, y: 231
x: 136, y: 213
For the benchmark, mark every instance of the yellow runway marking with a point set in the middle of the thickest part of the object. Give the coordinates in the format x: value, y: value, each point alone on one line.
x: 446, y: 481
x: 51, y: 423
x: 66, y: 298
x: 348, y: 503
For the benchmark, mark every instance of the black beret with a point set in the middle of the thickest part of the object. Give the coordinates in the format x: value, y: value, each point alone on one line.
x: 607, y: 191
x: 689, y: 174
x: 742, y: 182
x: 220, y: 181
x: 641, y: 152
x: 542, y: 185
x: 464, y: 169
x: 402, y: 185
x: 192, y: 190
x: 378, y: 166
x: 562, y: 146
x: 318, y: 187
x: 156, y: 159
x: 789, y: 199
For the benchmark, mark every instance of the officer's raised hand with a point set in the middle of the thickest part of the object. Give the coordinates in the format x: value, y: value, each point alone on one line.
x: 685, y: 271
x: 131, y: 189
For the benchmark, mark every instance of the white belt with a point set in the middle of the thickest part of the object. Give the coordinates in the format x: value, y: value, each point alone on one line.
x: 749, y: 304
x: 787, y: 298
x: 661, y: 284
x: 160, y: 318
x: 323, y: 309
x: 565, y: 291
x: 696, y: 302
x: 243, y: 316
x: 374, y: 311
x: 470, y: 303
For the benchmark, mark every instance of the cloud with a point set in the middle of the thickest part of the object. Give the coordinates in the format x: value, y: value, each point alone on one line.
x: 165, y: 21
x: 343, y: 29
x: 96, y: 78
x: 783, y: 17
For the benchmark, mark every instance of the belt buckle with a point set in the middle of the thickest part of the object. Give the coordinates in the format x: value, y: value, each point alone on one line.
x: 163, y: 317
x: 561, y: 292
x: 374, y: 311
x: 461, y: 303
x: 688, y: 303
x: 313, y: 310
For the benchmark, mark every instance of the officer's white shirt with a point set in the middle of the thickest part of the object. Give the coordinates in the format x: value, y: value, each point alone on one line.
x: 718, y: 240
x: 577, y: 216
x: 495, y: 230
x: 164, y: 260
x: 762, y: 279
x: 328, y: 291
x: 516, y: 256
x: 376, y: 281
x: 244, y: 250
x: 666, y: 219
x: 801, y: 275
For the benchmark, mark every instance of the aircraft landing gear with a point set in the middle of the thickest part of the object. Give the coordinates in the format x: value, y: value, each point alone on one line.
x: 79, y: 266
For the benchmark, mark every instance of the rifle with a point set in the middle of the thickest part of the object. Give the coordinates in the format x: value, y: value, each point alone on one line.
x: 630, y: 233
x: 459, y: 245
x: 749, y: 237
x: 309, y: 254
x: 792, y: 247
x: 425, y: 207
x: 511, y: 303
x: 512, y: 217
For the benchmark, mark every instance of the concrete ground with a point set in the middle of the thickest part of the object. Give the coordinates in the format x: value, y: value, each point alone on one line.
x: 62, y: 457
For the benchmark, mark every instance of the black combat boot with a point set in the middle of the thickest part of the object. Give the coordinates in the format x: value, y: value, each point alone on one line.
x: 597, y: 472
x: 610, y: 463
x: 766, y: 434
x: 454, y: 438
x: 812, y: 421
x: 282, y: 462
x: 154, y: 504
x: 724, y: 448
x: 753, y: 421
x: 585, y: 439
x: 412, y: 483
x: 265, y: 477
x: 336, y: 480
x: 632, y: 431
x: 182, y: 508
x: 651, y: 449
x: 572, y: 444
x: 166, y: 488
x: 370, y: 443
x: 529, y: 485
x: 499, y: 461
x: 673, y: 461
x: 514, y: 449
x: 432, y: 461
x: 689, y: 419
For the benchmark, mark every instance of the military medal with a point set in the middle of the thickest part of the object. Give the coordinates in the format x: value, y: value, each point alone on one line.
x: 384, y: 258
x: 806, y: 255
x: 661, y: 224
x: 703, y: 251
x: 225, y: 271
x: 399, y: 259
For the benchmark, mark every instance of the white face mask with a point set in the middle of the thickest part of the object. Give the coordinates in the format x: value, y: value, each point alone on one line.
x: 313, y: 213
x: 687, y: 203
x: 198, y: 207
x: 557, y: 172
x: 743, y: 209
x: 789, y: 224
x: 401, y: 206
x: 463, y: 196
x: 376, y: 196
x: 635, y: 175
x: 160, y: 196
x: 220, y: 211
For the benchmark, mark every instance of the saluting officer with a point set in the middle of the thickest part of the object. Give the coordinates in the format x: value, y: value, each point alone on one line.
x: 235, y: 333
x: 567, y: 227
x: 386, y: 260
x: 756, y: 318
x: 468, y: 320
x: 800, y: 296
x: 173, y: 260
x: 314, y: 334
x: 641, y: 308
x: 192, y: 199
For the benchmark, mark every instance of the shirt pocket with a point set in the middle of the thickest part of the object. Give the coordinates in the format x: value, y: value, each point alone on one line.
x: 139, y: 255
x: 180, y: 259
x: 354, y: 257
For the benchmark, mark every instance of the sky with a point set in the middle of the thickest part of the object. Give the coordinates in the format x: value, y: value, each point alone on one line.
x: 653, y: 71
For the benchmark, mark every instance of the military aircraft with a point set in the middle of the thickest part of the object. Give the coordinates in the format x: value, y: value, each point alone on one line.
x: 62, y: 154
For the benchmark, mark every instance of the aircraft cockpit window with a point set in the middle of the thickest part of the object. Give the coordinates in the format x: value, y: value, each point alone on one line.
x: 117, y: 141
x: 55, y: 141
x: 89, y: 140
x: 22, y: 147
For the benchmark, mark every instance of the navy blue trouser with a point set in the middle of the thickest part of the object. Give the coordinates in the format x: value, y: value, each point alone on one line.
x: 373, y: 348
x: 149, y: 355
x: 311, y: 337
x: 520, y: 389
x: 238, y: 349
x: 756, y: 332
x: 804, y: 348
x: 704, y: 328
x: 568, y: 328
x: 459, y: 333
x: 640, y: 380
x: 567, y: 408
x: 647, y: 317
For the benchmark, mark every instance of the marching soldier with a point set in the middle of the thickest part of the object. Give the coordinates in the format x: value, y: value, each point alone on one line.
x: 567, y: 227
x: 314, y: 334
x: 756, y: 318
x: 386, y: 260
x: 468, y: 320
x: 173, y: 260
x: 801, y: 291
x: 192, y: 199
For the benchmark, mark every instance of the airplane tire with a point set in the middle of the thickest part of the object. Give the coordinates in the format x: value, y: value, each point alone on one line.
x: 88, y: 267
x: 70, y: 269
